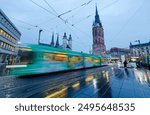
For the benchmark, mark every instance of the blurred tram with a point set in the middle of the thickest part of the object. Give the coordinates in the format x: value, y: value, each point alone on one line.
x: 38, y: 59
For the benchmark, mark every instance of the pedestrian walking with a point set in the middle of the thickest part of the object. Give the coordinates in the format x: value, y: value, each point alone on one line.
x: 125, y: 64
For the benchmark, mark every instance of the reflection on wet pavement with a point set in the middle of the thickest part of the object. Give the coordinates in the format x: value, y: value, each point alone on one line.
x: 104, y: 82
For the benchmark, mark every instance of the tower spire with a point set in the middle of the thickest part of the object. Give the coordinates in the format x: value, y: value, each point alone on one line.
x: 70, y: 42
x: 57, y: 42
x: 96, y: 10
x: 98, y: 35
x: 97, y: 19
x: 52, y: 41
x: 64, y: 41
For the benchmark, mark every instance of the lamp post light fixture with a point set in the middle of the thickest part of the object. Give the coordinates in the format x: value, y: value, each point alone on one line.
x: 39, y: 36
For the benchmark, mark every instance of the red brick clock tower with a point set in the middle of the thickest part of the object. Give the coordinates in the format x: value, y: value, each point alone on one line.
x: 98, y: 36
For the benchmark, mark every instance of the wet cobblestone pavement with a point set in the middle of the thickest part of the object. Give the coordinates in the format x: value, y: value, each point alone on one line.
x: 103, y: 82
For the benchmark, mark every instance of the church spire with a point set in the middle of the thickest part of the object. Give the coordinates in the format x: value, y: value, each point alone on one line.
x: 98, y: 36
x: 52, y: 41
x: 96, y: 11
x: 70, y: 42
x: 97, y: 21
x: 57, y: 42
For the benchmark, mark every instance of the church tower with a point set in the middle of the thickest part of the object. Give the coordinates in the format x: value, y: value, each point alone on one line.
x: 70, y: 42
x: 64, y: 45
x: 98, y: 36
x: 57, y: 42
x: 52, y: 41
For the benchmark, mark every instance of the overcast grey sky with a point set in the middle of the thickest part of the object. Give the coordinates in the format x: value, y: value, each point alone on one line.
x: 124, y: 21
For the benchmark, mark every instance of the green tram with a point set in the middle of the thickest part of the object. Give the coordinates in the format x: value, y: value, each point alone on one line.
x: 38, y: 59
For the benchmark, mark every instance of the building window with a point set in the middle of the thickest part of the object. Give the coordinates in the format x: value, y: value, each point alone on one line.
x: 7, y: 36
x: 6, y: 46
x: 1, y: 44
x: 1, y: 32
x: 1, y: 19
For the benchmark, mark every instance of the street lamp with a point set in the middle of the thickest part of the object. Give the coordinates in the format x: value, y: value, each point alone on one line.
x: 39, y: 36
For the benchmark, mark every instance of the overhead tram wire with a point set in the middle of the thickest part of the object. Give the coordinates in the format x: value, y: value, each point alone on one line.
x: 47, y: 10
x: 47, y: 21
x: 81, y: 44
x: 51, y: 7
x: 35, y: 26
x: 127, y: 22
x: 83, y: 19
x: 74, y: 34
x: 84, y: 4
x: 81, y: 31
x: 25, y: 22
x: 53, y: 11
x: 42, y: 7
x: 69, y: 12
x: 73, y: 25
x: 69, y: 26
x: 31, y: 25
x: 54, y: 15
x: 81, y: 7
x: 65, y: 13
x: 59, y: 16
x: 112, y: 3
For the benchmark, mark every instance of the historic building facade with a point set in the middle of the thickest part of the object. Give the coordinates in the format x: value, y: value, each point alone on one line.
x: 141, y: 49
x: 9, y: 38
x: 117, y: 53
x: 99, y: 47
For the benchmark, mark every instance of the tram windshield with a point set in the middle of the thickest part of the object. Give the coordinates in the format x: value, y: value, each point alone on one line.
x: 25, y: 56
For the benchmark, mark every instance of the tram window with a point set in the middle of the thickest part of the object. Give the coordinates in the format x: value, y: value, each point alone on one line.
x: 88, y: 59
x: 60, y: 57
x: 48, y: 56
x: 55, y: 57
x: 76, y: 59
x: 97, y: 60
x: 25, y: 57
